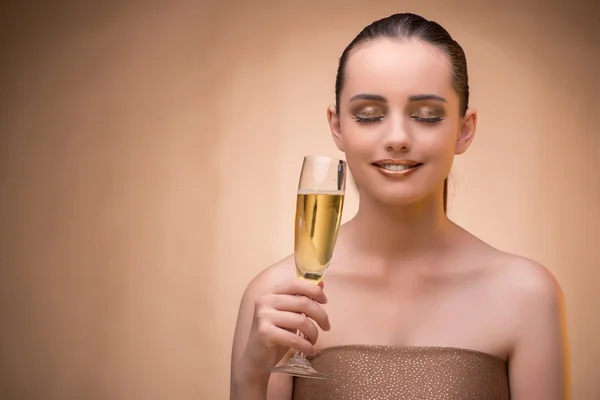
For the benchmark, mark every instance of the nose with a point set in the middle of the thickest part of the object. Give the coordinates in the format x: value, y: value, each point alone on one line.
x: 397, y: 138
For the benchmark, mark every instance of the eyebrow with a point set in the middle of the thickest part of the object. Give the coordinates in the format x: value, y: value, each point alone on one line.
x: 381, y: 99
x: 422, y: 97
x: 368, y: 96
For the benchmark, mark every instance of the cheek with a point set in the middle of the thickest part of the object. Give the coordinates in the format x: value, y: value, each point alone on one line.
x: 440, y: 151
x: 439, y: 142
x: 357, y: 142
x: 359, y: 149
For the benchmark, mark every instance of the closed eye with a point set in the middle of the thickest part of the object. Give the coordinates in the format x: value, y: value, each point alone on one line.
x: 368, y: 119
x: 431, y: 120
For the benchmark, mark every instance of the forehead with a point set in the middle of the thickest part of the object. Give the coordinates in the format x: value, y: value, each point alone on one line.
x: 398, y: 68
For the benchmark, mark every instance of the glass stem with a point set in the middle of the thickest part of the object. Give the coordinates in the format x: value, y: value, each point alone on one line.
x: 298, y: 352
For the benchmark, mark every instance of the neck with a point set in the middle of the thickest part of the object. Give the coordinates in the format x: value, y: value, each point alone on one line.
x: 392, y: 231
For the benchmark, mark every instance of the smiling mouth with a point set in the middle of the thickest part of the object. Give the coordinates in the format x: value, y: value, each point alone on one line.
x: 397, y: 166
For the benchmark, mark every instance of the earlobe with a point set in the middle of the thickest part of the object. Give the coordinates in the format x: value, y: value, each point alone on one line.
x: 467, y: 131
x: 334, y: 126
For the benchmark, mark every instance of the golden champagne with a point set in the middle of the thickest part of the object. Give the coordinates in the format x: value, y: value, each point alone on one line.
x: 318, y: 217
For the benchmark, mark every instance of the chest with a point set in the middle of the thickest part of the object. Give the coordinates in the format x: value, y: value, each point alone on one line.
x: 411, y: 313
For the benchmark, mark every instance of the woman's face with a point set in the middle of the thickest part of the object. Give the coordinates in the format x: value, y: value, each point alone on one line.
x: 399, y: 123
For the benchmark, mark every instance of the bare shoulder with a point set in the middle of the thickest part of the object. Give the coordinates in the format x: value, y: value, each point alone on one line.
x: 524, y: 279
x: 264, y: 282
x: 271, y: 276
x: 529, y: 306
x: 512, y: 275
x: 525, y: 294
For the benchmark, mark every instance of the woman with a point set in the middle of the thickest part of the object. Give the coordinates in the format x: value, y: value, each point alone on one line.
x: 419, y: 307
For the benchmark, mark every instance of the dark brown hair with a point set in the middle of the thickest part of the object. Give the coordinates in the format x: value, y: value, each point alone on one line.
x: 411, y: 26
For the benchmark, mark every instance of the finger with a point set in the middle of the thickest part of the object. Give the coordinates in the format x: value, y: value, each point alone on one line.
x: 304, y: 288
x: 304, y: 305
x: 296, y: 322
x: 287, y: 339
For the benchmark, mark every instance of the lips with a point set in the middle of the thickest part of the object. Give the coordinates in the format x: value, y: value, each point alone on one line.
x: 396, y: 167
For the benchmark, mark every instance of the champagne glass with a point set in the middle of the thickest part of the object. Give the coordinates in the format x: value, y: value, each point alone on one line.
x: 319, y: 205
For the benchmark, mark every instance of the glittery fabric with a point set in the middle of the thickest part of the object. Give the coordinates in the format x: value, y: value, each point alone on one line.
x: 403, y: 373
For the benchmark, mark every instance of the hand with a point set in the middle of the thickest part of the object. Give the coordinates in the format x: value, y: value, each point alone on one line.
x: 277, y: 318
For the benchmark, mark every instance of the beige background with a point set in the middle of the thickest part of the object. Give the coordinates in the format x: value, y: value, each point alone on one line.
x: 149, y: 154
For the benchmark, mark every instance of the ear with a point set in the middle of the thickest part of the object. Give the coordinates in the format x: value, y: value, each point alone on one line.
x: 467, y: 131
x: 334, y: 126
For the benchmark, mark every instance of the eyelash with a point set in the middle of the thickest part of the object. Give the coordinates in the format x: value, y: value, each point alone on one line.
x: 377, y: 119
x: 368, y: 119
x: 428, y: 120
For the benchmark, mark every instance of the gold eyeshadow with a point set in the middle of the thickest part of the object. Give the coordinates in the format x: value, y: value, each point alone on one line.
x: 369, y: 112
x: 427, y: 112
x: 423, y: 111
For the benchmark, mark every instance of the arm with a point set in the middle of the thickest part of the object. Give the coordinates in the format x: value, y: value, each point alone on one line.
x: 539, y: 361
x: 246, y: 381
x: 275, y: 305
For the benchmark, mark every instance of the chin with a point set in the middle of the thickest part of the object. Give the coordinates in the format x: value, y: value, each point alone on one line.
x: 404, y: 190
x: 397, y: 196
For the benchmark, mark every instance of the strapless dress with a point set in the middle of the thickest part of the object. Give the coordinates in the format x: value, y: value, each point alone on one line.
x: 404, y: 373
